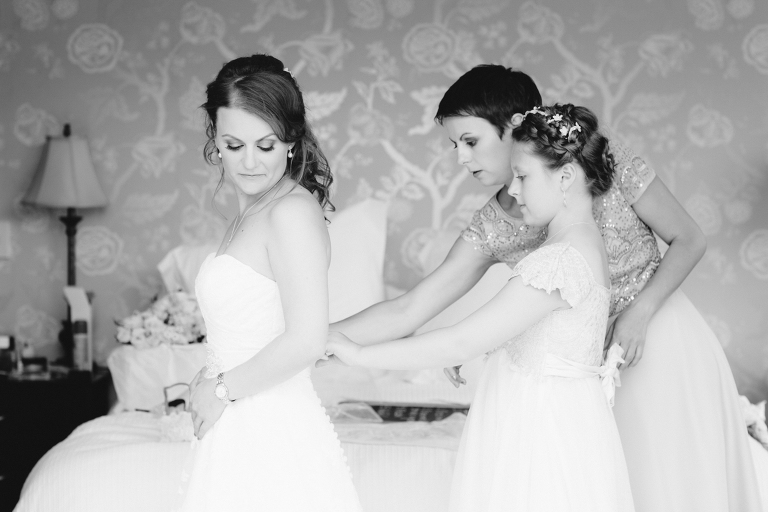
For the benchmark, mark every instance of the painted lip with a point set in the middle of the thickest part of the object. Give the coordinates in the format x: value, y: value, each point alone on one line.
x: 250, y: 175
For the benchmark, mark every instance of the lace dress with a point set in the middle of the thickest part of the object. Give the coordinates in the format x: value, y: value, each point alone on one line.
x: 274, y: 451
x: 677, y: 411
x: 540, y: 435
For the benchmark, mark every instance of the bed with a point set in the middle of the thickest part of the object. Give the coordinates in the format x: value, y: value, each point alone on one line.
x: 125, y: 461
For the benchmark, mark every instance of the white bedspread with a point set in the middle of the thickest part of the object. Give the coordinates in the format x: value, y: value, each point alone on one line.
x: 118, y: 463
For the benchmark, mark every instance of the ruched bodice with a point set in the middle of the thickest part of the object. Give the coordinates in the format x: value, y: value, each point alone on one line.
x: 272, y: 450
x: 241, y: 309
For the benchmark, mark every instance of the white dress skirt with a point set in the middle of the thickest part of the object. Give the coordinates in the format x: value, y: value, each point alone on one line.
x: 538, y: 439
x: 680, y: 421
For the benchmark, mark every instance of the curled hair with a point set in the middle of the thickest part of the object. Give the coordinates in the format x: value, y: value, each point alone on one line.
x: 554, y: 135
x: 262, y: 86
x: 491, y: 92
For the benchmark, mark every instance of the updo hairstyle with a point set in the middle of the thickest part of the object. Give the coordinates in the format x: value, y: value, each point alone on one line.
x: 562, y: 134
x: 262, y: 86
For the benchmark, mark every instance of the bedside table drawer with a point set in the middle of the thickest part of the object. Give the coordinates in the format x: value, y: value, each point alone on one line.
x: 36, y: 415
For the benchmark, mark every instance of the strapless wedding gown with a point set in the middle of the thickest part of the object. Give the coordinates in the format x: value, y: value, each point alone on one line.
x: 275, y: 451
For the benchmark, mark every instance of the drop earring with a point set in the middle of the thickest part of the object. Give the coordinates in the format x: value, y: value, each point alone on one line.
x: 218, y: 153
x: 290, y: 153
x: 565, y: 203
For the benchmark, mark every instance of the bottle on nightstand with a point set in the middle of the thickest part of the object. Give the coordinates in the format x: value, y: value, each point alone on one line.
x: 82, y: 353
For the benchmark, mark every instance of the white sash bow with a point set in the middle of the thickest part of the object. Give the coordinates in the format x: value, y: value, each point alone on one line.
x: 608, y: 373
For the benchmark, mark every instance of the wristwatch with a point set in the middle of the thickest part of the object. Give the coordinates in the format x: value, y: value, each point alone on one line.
x: 221, y: 390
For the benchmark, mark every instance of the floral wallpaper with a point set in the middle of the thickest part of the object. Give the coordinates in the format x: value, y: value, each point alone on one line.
x: 684, y: 83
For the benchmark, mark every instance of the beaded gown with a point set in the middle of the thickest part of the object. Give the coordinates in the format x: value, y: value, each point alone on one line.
x: 677, y: 411
x: 274, y: 451
x: 540, y: 435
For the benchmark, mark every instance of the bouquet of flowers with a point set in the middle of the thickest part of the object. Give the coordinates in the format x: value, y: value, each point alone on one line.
x: 174, y: 318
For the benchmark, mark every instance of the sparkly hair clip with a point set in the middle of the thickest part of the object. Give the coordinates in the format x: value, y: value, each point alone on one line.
x: 559, y: 123
x: 534, y: 110
x: 289, y: 72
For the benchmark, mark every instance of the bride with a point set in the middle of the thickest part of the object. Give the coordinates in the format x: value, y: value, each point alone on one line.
x: 265, y: 443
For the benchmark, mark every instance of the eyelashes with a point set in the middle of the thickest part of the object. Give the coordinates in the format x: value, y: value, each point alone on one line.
x: 236, y: 148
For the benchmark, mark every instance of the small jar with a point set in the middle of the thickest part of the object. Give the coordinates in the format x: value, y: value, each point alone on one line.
x: 80, y: 339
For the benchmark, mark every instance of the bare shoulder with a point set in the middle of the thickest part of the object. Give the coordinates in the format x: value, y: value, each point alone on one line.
x: 297, y: 206
x: 297, y: 218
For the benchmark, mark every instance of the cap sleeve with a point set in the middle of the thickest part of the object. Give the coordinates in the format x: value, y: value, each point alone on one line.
x: 633, y: 174
x: 475, y: 234
x: 556, y: 267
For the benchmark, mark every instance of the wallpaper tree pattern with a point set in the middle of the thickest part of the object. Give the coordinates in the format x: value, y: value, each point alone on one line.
x: 684, y: 83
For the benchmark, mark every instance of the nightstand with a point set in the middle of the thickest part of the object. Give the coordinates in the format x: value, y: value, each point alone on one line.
x: 35, y: 415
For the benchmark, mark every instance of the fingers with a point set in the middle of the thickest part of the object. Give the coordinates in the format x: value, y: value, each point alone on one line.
x: 196, y: 380
x: 204, y: 428
x: 629, y: 355
x: 335, y: 360
x: 197, y: 422
x: 609, y: 336
x: 638, y: 356
x: 449, y: 372
x: 453, y: 375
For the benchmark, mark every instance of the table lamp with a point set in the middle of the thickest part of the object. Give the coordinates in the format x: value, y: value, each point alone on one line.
x: 65, y: 178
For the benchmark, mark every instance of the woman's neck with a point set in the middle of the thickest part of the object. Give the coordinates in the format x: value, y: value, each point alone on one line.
x: 508, y: 203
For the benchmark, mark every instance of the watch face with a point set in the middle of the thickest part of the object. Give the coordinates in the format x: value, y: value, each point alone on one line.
x: 221, y: 391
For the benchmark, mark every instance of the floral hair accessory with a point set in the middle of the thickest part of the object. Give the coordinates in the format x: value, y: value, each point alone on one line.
x: 563, y: 127
x: 289, y: 72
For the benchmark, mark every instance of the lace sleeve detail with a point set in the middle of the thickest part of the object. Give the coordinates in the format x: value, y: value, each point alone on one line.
x: 557, y: 267
x: 633, y: 174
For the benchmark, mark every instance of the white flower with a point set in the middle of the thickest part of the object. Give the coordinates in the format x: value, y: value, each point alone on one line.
x: 34, y: 14
x: 123, y: 334
x: 755, y: 48
x: 706, y: 212
x: 664, y: 53
x: 132, y: 322
x: 538, y: 24
x: 709, y: 14
x: 754, y: 416
x: 200, y: 25
x: 95, y: 47
x: 708, y: 128
x: 98, y: 250
x: 174, y: 318
x: 754, y: 253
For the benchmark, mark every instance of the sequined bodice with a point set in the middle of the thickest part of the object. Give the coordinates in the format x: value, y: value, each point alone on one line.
x: 241, y: 308
x: 633, y: 254
x: 577, y: 333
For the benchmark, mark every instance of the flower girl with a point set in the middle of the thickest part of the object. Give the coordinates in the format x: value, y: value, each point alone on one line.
x: 540, y: 435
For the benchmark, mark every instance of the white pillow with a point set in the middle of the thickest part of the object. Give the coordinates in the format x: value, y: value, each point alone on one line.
x: 355, y: 277
x: 179, y: 267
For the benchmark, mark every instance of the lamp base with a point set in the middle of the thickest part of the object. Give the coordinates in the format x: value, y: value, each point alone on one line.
x: 67, y: 343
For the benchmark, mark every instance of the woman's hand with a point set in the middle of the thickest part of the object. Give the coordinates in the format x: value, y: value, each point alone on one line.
x: 454, y: 376
x: 204, y: 407
x: 628, y: 331
x: 341, y: 348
